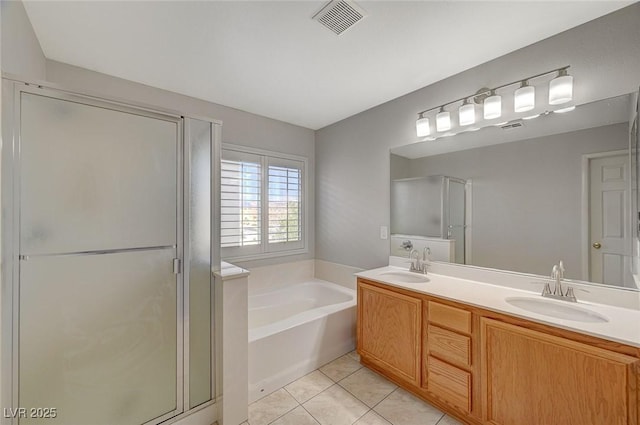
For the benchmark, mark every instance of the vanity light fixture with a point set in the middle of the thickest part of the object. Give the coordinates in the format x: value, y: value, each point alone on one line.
x: 492, y: 106
x: 467, y: 113
x: 524, y: 98
x: 422, y: 126
x: 561, y: 88
x: 443, y: 120
x: 490, y: 99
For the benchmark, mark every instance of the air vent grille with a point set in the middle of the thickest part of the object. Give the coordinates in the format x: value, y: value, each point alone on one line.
x: 512, y: 125
x: 340, y: 15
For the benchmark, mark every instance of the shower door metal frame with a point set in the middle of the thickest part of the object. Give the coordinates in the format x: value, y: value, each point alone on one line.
x: 12, y: 90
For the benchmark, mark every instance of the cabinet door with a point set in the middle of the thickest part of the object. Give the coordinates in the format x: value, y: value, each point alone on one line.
x: 535, y: 378
x: 389, y: 327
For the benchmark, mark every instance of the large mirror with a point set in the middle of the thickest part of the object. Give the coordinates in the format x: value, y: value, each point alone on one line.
x: 525, y: 195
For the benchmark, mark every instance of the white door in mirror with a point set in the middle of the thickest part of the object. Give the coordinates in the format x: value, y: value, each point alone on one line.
x: 608, y: 212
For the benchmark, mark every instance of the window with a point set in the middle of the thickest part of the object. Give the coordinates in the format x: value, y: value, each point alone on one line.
x: 262, y: 203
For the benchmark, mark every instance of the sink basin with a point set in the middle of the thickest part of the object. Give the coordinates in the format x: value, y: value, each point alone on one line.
x: 557, y: 309
x: 404, y: 277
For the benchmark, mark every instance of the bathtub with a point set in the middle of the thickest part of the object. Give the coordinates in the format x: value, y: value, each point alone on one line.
x: 296, y: 329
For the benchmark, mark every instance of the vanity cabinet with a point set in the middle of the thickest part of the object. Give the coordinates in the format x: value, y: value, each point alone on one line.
x: 389, y: 330
x: 531, y: 378
x: 490, y: 368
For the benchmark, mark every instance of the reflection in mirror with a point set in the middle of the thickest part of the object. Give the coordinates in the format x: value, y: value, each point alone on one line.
x: 523, y: 196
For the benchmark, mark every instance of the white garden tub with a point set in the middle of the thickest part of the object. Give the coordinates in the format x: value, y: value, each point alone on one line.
x: 295, y: 329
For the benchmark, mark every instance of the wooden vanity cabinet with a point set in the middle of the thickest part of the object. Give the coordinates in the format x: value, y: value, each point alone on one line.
x: 532, y: 378
x: 489, y: 368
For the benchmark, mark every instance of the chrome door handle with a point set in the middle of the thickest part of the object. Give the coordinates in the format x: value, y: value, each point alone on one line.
x: 596, y: 245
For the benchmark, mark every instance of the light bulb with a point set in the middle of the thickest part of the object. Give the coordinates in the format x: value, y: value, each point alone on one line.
x: 492, y: 106
x: 443, y: 120
x: 561, y: 88
x: 524, y: 98
x: 467, y: 114
x: 422, y: 126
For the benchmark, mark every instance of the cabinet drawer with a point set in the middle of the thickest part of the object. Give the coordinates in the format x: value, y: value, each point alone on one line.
x: 449, y: 345
x: 450, y: 317
x: 449, y: 383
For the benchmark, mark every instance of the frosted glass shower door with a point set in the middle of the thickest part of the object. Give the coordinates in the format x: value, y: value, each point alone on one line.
x: 198, y: 262
x: 94, y: 179
x: 99, y: 298
x: 98, y: 337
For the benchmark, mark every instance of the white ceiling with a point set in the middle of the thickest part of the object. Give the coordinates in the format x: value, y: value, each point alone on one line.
x: 270, y: 58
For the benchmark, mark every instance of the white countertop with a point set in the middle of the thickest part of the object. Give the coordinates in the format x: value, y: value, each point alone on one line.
x: 623, y: 325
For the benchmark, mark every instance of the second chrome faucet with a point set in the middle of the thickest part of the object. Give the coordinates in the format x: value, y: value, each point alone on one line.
x: 558, y: 293
x: 420, y: 265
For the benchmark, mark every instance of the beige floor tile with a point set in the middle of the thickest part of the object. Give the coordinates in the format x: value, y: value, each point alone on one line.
x: 367, y: 386
x: 271, y: 407
x: 402, y: 408
x: 448, y: 420
x: 309, y: 386
x: 297, y: 416
x: 340, y: 368
x: 354, y: 355
x: 372, y: 418
x: 335, y: 406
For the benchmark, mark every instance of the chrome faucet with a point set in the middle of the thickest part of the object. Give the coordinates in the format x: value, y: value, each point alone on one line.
x: 426, y: 259
x: 557, y: 275
x: 419, y: 265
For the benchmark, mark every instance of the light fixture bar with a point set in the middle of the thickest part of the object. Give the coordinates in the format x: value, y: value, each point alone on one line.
x: 561, y: 70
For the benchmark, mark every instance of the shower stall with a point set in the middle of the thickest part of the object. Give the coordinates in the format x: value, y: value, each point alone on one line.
x: 108, y: 241
x: 433, y: 207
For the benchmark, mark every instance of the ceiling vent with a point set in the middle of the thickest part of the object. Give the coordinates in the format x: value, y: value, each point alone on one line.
x: 340, y: 15
x: 512, y: 125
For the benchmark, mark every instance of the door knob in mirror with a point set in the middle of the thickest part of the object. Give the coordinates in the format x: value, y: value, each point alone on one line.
x: 596, y: 245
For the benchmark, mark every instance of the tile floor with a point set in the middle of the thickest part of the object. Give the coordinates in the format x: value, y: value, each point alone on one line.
x: 344, y: 392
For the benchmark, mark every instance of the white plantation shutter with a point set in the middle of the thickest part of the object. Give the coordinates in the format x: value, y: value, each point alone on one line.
x: 284, y: 206
x: 240, y: 203
x: 262, y: 203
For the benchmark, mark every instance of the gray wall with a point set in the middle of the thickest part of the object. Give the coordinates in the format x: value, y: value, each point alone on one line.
x: 352, y: 156
x: 21, y: 52
x: 527, y: 197
x: 239, y: 127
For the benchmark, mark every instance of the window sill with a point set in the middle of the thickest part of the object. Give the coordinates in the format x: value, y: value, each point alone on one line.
x: 265, y: 255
